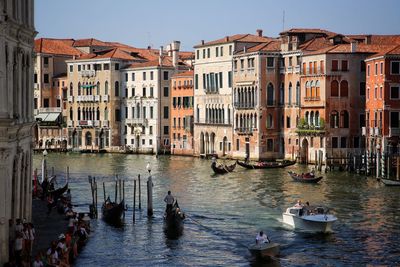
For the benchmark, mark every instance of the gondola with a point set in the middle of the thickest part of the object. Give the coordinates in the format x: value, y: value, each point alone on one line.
x: 173, y: 219
x: 305, y: 178
x: 112, y: 212
x: 390, y: 182
x: 221, y: 169
x: 266, y: 164
x: 58, y: 192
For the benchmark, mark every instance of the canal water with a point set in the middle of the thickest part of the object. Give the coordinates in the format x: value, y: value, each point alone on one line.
x: 225, y: 212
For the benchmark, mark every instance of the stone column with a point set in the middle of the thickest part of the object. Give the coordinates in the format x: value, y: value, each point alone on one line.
x: 5, y: 202
x: 3, y: 82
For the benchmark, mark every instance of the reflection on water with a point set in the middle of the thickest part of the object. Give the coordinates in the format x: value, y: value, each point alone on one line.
x: 225, y: 212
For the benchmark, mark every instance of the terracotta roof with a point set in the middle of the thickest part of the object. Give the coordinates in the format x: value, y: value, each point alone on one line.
x: 245, y: 38
x: 377, y: 39
x: 309, y: 30
x: 56, y: 47
x: 389, y: 50
x: 315, y: 43
x: 346, y: 48
x: 186, y: 55
x: 167, y: 62
x: 116, y: 53
x: 90, y: 42
x: 271, y: 46
x: 188, y: 73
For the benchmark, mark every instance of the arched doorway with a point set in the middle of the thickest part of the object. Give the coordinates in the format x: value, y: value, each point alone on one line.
x: 304, y: 151
x: 207, y: 144
x: 224, y: 145
x: 88, y: 139
x: 101, y: 140
x: 74, y: 139
x: 212, y: 143
x: 201, y: 143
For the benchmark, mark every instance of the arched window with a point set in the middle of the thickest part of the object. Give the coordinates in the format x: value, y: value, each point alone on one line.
x: 116, y: 88
x: 106, y: 114
x: 98, y: 88
x: 270, y: 95
x: 311, y: 118
x: 270, y: 122
x: 79, y: 114
x: 317, y: 118
x: 312, y: 89
x: 317, y: 90
x: 334, y: 88
x: 79, y: 88
x: 88, y: 138
x: 298, y: 93
x: 137, y: 111
x: 344, y: 88
x: 307, y: 117
x: 71, y: 114
x: 308, y: 90
x: 282, y: 94
x: 290, y: 94
x: 106, y: 88
x: 71, y: 89
x: 344, y: 118
x: 98, y: 114
x: 334, y: 119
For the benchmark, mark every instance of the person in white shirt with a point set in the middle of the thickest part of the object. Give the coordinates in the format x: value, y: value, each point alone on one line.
x: 38, y: 262
x: 169, y: 199
x: 262, y: 238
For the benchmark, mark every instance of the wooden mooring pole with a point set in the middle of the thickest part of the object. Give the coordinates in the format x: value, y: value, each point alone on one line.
x: 149, y: 197
x: 116, y: 188
x: 95, y: 188
x: 140, y: 194
x: 104, y: 191
x: 134, y: 199
x: 123, y: 193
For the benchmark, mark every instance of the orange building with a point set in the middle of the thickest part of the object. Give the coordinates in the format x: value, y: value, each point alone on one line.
x: 383, y: 100
x: 182, y: 113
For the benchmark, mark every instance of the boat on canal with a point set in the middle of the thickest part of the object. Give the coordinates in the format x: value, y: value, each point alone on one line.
x: 173, y: 219
x: 309, y: 219
x: 112, y: 211
x: 264, y: 250
x: 266, y: 164
x: 57, y: 193
x: 222, y: 168
x: 390, y: 182
x: 305, y: 178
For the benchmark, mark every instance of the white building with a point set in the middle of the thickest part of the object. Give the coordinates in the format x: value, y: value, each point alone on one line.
x: 17, y: 34
x: 146, y: 107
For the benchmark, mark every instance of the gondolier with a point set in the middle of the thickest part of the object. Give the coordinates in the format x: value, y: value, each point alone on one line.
x: 169, y: 199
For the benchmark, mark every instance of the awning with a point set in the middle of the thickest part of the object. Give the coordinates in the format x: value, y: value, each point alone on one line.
x: 47, y: 116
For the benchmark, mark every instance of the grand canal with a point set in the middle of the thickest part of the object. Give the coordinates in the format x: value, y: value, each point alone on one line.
x: 225, y: 212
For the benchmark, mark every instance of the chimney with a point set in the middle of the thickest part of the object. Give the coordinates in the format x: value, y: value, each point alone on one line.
x: 160, y: 56
x: 226, y: 38
x: 244, y: 49
x: 175, y: 46
x: 259, y: 32
x: 202, y: 42
x: 367, y: 39
x: 353, y: 47
x: 169, y: 51
x: 148, y: 47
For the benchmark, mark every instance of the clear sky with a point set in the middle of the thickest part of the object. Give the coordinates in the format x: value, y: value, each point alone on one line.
x: 155, y: 22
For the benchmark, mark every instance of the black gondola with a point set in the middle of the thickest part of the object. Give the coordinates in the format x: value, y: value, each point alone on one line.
x: 266, y: 164
x: 58, y: 192
x: 221, y: 169
x: 112, y: 212
x: 173, y: 219
x: 305, y: 178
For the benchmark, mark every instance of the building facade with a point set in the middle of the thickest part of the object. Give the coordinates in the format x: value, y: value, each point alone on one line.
x: 182, y: 116
x: 17, y: 34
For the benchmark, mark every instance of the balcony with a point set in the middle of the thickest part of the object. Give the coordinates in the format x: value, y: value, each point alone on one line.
x: 71, y: 99
x: 85, y: 98
x: 96, y: 98
x: 312, y: 98
x: 244, y: 130
x: 105, y: 98
x: 88, y: 73
x: 36, y: 86
x: 70, y: 123
x: 240, y: 105
x: 85, y: 123
x: 136, y: 121
x: 106, y: 123
x: 297, y: 69
x: 47, y: 110
x: 394, y: 132
x: 96, y: 123
x: 282, y: 70
x: 289, y: 69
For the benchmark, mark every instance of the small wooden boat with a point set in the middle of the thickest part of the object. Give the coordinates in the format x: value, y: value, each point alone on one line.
x: 266, y: 164
x: 173, y: 218
x: 58, y: 192
x: 265, y: 250
x: 390, y: 182
x: 222, y: 168
x: 112, y: 212
x: 305, y: 178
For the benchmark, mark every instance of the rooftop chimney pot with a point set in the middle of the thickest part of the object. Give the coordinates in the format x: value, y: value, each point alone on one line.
x: 353, y: 47
x: 202, y: 42
x: 227, y: 38
x: 259, y: 32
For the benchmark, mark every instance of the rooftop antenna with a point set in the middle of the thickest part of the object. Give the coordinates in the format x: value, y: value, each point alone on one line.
x: 283, y: 21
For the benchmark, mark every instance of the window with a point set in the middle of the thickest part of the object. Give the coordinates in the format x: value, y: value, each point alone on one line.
x: 290, y: 61
x: 116, y: 66
x: 197, y: 54
x: 208, y: 52
x: 166, y: 130
x: 343, y: 142
x: 133, y: 91
x: 335, y: 65
x: 117, y: 115
x: 230, y: 79
x: 71, y: 68
x: 380, y: 92
x: 376, y: 93
x: 126, y: 77
x: 143, y: 141
x: 35, y: 78
x: 362, y: 120
x: 220, y: 80
x: 394, y: 120
x: 151, y: 92
x: 381, y: 68
x: 151, y: 142
x: 335, y: 142
x: 270, y: 145
x: 237, y: 144
x: 151, y: 112
x: 368, y: 70
x: 222, y: 51
x: 105, y: 67
x: 334, y: 88
x: 165, y: 75
x: 362, y: 66
x: 46, y: 103
x: 216, y: 51
x: 144, y: 76
x: 196, y: 81
x: 356, y: 141
x: 344, y: 65
x: 151, y: 75
x: 45, y: 60
x: 270, y: 62
x: 133, y: 76
x: 46, y: 78
x: 126, y: 114
x: 230, y: 50
x: 116, y: 88
x: 242, y: 64
x: 166, y: 113
x: 395, y: 67
x: 79, y: 67
x: 362, y: 88
x: 204, y: 53
x: 394, y: 92
x: 344, y: 89
x: 151, y: 130
x: 376, y: 68
x: 166, y: 93
x: 287, y: 122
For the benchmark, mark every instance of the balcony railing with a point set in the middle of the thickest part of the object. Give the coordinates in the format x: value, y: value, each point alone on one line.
x: 312, y: 98
x: 244, y: 130
x: 375, y: 131
x: 85, y: 98
x: 297, y: 69
x: 106, y: 123
x: 70, y: 99
x: 85, y: 123
x: 55, y: 110
x: 136, y: 121
x: 70, y: 124
x: 88, y: 73
x: 241, y: 105
x: 97, y: 98
x: 105, y: 98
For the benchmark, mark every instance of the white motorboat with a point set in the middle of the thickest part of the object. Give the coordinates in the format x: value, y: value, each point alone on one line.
x: 264, y: 250
x: 309, y: 219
